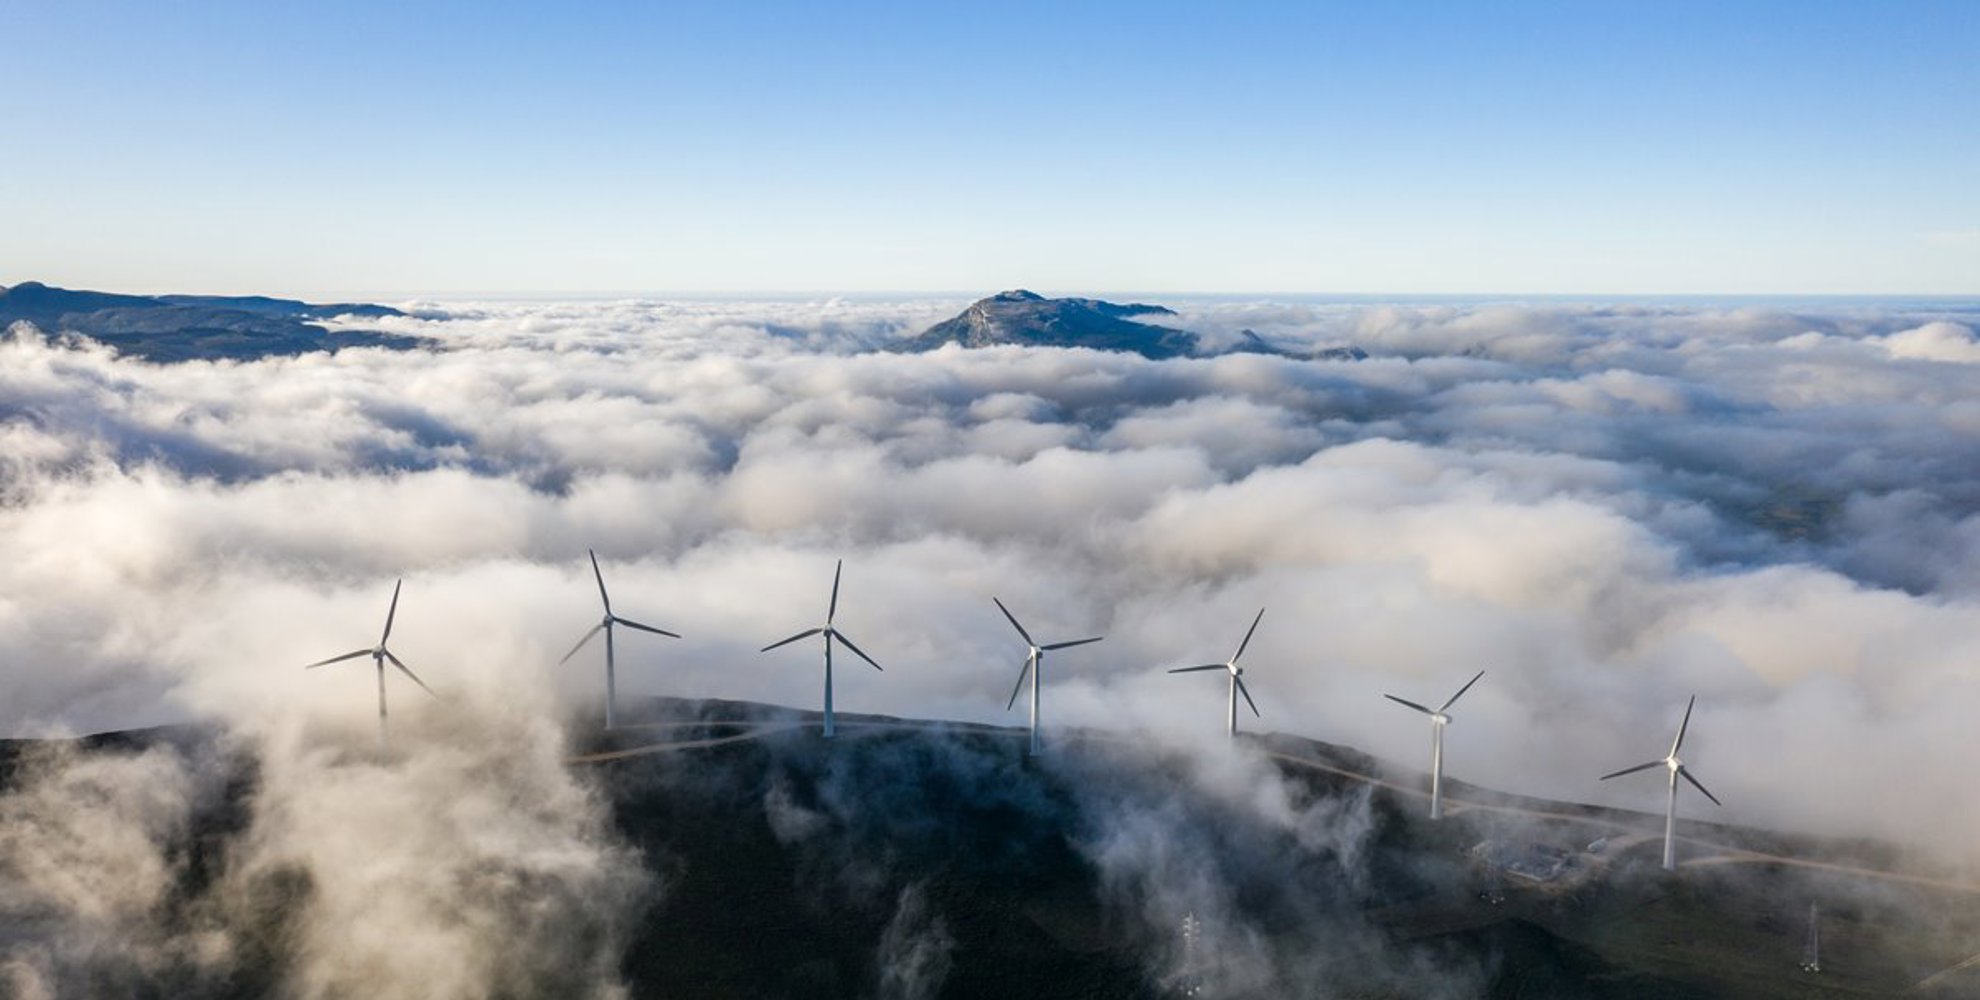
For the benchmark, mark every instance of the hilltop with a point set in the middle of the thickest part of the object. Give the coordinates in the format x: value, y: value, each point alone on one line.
x: 1068, y: 875
x: 913, y: 858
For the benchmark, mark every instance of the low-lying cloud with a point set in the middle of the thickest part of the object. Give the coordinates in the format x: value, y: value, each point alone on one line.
x: 1607, y: 508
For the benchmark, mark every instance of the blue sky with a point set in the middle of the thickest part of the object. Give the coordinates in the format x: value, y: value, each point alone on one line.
x: 1316, y: 148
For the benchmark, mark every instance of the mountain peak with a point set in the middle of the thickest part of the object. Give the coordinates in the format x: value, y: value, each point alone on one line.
x: 1020, y: 316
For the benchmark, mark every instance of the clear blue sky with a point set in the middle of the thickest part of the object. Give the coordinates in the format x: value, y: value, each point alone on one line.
x: 1303, y: 147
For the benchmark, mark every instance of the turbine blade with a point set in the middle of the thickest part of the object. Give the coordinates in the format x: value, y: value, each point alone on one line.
x: 1247, y: 636
x: 595, y: 629
x: 1207, y: 666
x: 1682, y: 726
x: 832, y: 610
x: 629, y: 623
x: 1075, y: 642
x: 1686, y: 772
x: 1014, y: 623
x: 841, y: 636
x: 408, y: 672
x: 1020, y: 683
x: 806, y: 634
x: 600, y: 577
x: 1462, y: 690
x: 338, y: 659
x: 1633, y: 770
x: 391, y: 612
x: 1411, y: 704
x: 1247, y: 696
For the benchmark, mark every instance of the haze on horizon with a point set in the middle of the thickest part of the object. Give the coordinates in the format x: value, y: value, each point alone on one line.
x: 1752, y: 148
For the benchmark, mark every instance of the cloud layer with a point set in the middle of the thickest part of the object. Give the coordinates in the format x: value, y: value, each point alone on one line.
x: 1608, y: 508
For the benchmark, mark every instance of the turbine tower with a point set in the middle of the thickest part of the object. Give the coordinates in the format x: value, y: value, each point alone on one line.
x: 830, y: 633
x: 605, y: 626
x: 379, y: 654
x: 1034, y: 662
x: 1676, y: 767
x: 1811, y: 957
x: 1237, y: 677
x: 1438, y: 720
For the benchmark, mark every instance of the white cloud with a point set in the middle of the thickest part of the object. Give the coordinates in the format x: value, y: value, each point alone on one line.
x: 1609, y: 508
x: 1939, y: 341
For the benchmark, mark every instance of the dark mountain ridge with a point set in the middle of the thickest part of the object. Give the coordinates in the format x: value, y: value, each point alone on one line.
x: 170, y: 328
x: 789, y: 866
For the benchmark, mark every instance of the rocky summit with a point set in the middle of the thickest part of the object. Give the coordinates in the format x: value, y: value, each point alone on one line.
x: 1027, y: 318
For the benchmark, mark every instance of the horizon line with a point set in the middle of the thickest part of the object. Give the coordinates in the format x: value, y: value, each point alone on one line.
x: 609, y: 294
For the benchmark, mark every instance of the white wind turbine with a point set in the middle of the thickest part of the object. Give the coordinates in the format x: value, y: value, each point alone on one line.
x: 830, y: 633
x: 1438, y: 720
x: 1671, y: 763
x: 605, y: 626
x: 379, y: 654
x: 1034, y: 663
x: 1237, y: 676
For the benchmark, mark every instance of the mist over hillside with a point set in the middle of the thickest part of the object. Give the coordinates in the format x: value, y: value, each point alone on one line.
x: 1608, y: 508
x: 722, y: 849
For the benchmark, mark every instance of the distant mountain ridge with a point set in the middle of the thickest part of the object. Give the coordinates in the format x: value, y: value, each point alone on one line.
x: 171, y: 328
x: 1026, y: 318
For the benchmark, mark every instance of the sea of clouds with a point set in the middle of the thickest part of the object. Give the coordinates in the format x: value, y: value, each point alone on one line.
x: 1606, y: 507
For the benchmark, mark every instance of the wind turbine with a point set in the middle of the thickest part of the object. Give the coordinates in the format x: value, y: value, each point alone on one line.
x: 1438, y: 720
x: 1034, y: 663
x: 1237, y: 676
x: 1671, y: 763
x: 379, y: 654
x: 605, y: 626
x: 830, y: 633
